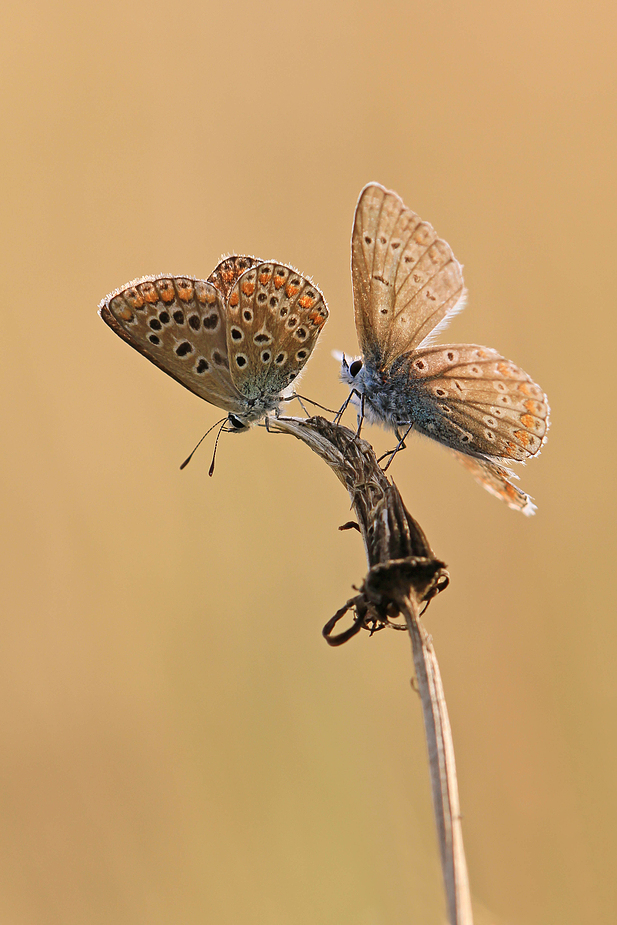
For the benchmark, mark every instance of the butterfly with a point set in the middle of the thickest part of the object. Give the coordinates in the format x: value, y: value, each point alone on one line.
x: 407, y: 285
x: 238, y: 339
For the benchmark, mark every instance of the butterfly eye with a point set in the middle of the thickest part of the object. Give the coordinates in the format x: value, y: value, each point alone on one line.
x: 236, y: 422
x: 355, y: 367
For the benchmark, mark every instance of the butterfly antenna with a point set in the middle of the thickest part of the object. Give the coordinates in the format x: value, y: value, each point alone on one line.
x: 190, y: 456
x: 216, y: 443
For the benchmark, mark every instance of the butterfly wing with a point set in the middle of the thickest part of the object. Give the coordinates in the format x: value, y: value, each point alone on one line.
x: 496, y: 480
x: 228, y: 270
x: 274, y: 319
x: 406, y: 280
x: 178, y: 323
x: 472, y: 399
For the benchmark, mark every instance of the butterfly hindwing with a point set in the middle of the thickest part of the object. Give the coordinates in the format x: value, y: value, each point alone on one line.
x: 496, y: 480
x: 406, y: 280
x: 229, y: 270
x: 274, y: 319
x: 178, y: 323
x: 472, y: 399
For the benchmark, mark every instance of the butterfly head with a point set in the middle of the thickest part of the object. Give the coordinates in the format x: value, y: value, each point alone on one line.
x: 235, y: 424
x: 351, y: 371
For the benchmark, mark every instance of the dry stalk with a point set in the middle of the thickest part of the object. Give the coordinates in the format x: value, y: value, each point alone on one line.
x: 402, y: 578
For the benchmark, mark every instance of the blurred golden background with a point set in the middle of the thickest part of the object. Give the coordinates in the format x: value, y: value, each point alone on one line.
x: 178, y: 742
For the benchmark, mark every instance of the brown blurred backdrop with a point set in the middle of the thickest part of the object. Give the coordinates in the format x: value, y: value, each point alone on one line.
x: 178, y: 743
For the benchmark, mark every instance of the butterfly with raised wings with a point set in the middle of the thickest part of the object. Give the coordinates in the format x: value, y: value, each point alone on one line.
x: 407, y: 285
x: 238, y: 339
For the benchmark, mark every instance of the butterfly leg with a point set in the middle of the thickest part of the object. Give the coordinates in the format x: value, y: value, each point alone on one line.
x: 360, y: 415
x: 267, y: 423
x: 339, y: 414
x: 400, y: 446
x: 341, y: 411
x: 299, y: 399
x: 302, y: 398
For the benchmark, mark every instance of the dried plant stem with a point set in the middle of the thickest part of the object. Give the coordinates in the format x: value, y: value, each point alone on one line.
x: 403, y: 576
x: 443, y: 771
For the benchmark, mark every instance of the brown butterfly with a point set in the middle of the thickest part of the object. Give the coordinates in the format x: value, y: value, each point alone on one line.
x: 238, y: 339
x: 407, y: 285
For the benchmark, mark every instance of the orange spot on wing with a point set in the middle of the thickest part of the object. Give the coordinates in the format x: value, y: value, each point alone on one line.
x: 166, y: 291
x: 134, y: 298
x: 528, y: 420
x: 522, y: 436
x: 234, y: 298
x: 149, y: 292
x: 530, y: 405
x: 306, y: 302
x: 264, y: 278
x: 525, y: 388
x: 317, y: 319
x: 125, y: 313
x: 278, y: 282
x: 504, y: 368
x: 422, y: 233
x: 185, y: 292
x: 291, y: 291
x: 248, y: 288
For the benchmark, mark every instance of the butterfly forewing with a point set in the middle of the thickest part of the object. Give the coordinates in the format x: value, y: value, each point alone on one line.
x: 406, y: 280
x: 274, y: 319
x: 471, y: 398
x: 177, y: 322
